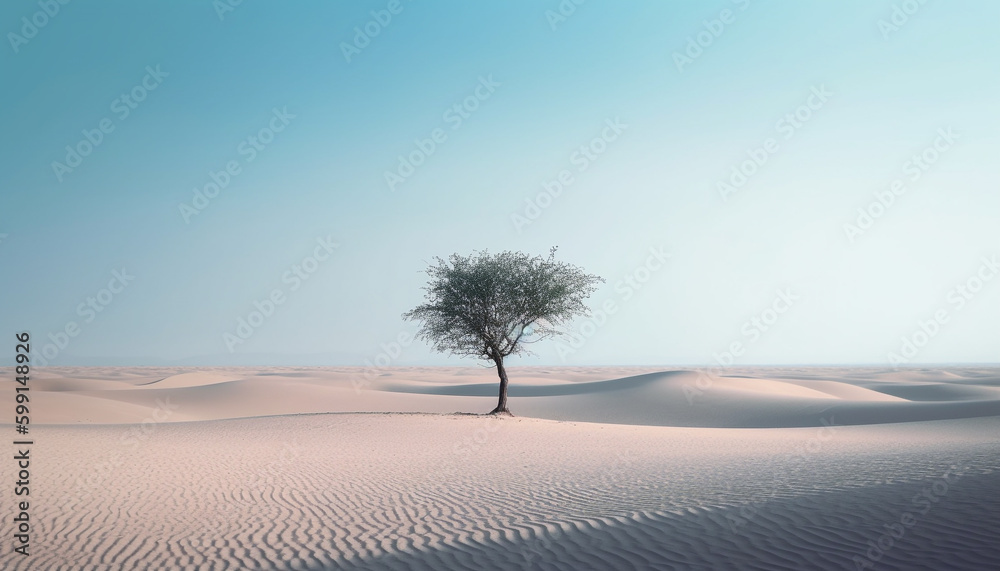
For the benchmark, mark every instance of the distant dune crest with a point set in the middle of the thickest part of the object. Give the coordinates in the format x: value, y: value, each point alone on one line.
x: 751, y: 398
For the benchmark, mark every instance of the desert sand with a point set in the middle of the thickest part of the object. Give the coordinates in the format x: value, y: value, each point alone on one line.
x: 602, y: 468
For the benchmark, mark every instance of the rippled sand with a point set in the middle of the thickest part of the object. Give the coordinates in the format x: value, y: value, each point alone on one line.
x: 453, y: 491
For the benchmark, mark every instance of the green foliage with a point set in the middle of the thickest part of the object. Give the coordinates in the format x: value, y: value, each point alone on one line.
x: 490, y: 305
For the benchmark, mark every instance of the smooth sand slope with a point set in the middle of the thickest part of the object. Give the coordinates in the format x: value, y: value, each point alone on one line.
x: 602, y: 469
x: 752, y: 398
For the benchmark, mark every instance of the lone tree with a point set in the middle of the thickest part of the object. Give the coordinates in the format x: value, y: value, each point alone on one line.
x: 490, y: 306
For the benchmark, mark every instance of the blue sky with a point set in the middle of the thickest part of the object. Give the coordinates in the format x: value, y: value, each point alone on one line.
x: 265, y: 89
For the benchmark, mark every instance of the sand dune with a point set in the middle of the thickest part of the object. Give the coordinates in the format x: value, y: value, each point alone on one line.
x: 333, y: 468
x: 757, y: 398
x: 188, y: 380
x: 359, y: 491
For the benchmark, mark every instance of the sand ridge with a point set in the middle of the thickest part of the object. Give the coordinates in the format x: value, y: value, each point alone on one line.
x: 424, y: 491
x: 603, y: 468
x: 758, y: 398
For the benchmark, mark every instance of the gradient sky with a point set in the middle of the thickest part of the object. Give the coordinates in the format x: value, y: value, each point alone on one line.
x: 560, y: 81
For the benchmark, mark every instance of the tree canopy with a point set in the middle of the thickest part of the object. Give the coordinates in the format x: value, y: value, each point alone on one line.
x: 489, y: 306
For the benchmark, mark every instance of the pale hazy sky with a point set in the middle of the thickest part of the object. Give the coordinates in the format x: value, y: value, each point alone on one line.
x: 309, y: 115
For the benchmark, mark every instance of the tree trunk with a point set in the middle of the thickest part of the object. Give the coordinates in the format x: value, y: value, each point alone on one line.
x: 502, y: 403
